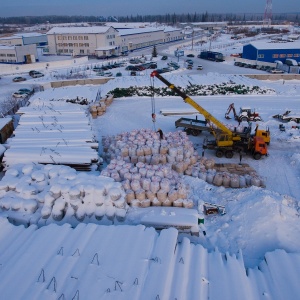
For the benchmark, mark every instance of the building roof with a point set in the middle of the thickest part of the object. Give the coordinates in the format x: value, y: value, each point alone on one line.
x: 132, y: 31
x: 7, y: 47
x: 101, y: 48
x: 95, y: 261
x: 78, y: 30
x: 277, y: 46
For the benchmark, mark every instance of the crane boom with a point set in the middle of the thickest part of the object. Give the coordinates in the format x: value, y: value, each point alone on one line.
x: 230, y: 136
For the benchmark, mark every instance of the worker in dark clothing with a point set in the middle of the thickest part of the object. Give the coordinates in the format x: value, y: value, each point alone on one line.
x: 161, y: 135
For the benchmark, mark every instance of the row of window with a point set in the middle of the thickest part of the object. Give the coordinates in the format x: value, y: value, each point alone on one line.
x: 74, y: 37
x: 286, y: 55
x: 81, y: 51
x: 8, y: 55
x: 73, y: 44
x: 8, y: 60
x: 110, y: 36
x: 281, y: 55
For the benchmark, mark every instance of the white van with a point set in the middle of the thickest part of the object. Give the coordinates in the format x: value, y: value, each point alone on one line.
x: 291, y: 62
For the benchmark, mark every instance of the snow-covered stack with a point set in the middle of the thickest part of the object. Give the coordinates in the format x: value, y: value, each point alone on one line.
x: 145, y: 146
x: 146, y: 184
x: 59, y: 192
x: 204, y: 169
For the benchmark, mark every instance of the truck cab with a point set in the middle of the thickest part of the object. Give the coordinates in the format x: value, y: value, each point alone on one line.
x: 259, y: 147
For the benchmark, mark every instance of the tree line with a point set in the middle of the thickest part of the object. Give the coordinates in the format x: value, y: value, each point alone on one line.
x: 170, y: 19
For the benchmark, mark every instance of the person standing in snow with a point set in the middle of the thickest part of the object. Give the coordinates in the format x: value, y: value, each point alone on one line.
x: 161, y: 135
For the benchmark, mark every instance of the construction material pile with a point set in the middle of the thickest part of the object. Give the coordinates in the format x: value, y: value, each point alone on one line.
x: 99, y: 108
x: 149, y: 167
x: 229, y: 175
x: 59, y: 193
x: 53, y: 132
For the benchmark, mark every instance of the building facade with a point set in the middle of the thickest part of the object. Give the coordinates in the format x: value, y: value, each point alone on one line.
x: 18, y: 54
x: 106, y: 41
x: 18, y: 39
x: 269, y: 52
x: 82, y: 41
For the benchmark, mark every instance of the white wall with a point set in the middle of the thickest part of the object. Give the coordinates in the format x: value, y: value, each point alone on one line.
x: 6, y: 69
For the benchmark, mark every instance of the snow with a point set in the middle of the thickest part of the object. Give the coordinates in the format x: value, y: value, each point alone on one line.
x: 251, y: 252
x: 78, y: 30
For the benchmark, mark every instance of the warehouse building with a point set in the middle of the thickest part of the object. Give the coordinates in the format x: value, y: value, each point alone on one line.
x: 11, y: 54
x: 271, y: 52
x: 92, y: 41
x: 30, y: 38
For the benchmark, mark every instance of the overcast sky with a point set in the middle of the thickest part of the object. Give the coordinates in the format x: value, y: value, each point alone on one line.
x: 141, y: 7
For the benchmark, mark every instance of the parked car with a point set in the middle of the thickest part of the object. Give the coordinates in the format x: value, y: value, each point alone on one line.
x: 18, y: 79
x: 36, y: 74
x: 189, y: 67
x: 190, y: 55
x: 19, y: 95
x: 199, y: 67
x: 26, y: 91
x: 189, y: 61
x: 164, y: 57
x: 276, y: 71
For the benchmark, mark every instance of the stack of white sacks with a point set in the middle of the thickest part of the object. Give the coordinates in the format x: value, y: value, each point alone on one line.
x: 60, y: 193
x: 149, y: 168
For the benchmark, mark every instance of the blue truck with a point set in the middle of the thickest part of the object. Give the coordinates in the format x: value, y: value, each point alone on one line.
x: 210, y: 55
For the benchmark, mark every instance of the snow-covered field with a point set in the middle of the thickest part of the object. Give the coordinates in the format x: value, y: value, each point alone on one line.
x: 257, y: 220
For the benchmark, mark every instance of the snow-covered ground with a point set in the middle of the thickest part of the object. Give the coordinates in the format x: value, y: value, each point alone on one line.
x: 258, y: 220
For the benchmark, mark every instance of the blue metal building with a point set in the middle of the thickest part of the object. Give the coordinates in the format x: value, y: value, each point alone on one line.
x: 269, y: 52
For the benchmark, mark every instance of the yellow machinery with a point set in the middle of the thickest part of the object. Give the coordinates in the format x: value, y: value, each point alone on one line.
x: 226, y: 141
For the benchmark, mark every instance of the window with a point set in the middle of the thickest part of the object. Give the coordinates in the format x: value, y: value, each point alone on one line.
x: 11, y: 55
x: 81, y: 51
x: 275, y: 55
x: 80, y: 38
x: 296, y: 55
x: 86, y: 37
x: 66, y: 50
x: 70, y: 45
x: 81, y: 45
x: 75, y: 44
x: 282, y: 55
x: 261, y: 56
x: 69, y: 38
x: 64, y: 37
x: 2, y: 54
x: 86, y: 45
x: 74, y: 37
x: 290, y: 55
x: 59, y: 38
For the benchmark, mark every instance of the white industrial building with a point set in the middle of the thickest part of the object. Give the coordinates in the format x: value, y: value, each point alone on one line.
x: 18, y: 54
x: 98, y: 41
x: 106, y: 41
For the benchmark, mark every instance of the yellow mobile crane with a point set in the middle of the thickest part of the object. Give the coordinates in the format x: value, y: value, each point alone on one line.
x: 226, y: 141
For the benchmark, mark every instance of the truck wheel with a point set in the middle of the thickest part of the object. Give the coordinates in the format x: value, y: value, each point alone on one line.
x: 229, y: 154
x: 256, y: 155
x: 188, y: 131
x: 195, y: 132
x: 219, y: 153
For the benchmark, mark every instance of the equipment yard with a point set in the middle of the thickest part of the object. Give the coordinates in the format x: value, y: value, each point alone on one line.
x: 243, y: 206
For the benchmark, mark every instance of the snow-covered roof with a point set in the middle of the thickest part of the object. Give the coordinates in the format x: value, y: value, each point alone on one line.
x: 131, y: 31
x: 78, y: 30
x: 29, y: 34
x: 170, y: 29
x: 105, y: 48
x: 95, y: 261
x: 269, y: 46
x: 4, y: 121
x: 7, y: 47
